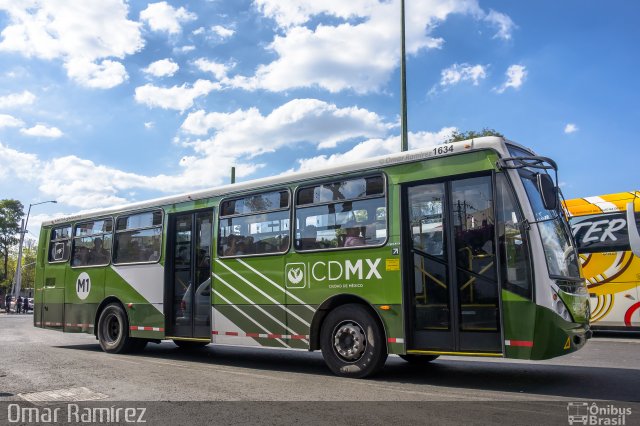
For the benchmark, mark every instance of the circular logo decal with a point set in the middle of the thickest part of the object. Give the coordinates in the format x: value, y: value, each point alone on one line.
x: 83, y: 286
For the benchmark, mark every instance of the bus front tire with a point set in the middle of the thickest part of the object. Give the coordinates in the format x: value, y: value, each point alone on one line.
x: 113, y: 331
x: 352, y: 342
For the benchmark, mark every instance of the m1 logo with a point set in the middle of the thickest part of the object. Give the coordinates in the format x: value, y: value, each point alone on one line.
x: 83, y: 286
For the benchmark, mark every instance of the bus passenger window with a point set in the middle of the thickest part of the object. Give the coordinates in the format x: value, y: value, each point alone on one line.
x: 343, y: 214
x: 92, y: 243
x: 256, y: 224
x: 138, y: 238
x: 59, y: 244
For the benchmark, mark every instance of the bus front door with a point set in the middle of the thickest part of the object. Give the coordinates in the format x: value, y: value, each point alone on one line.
x: 452, y: 286
x: 188, y: 292
x: 52, y: 297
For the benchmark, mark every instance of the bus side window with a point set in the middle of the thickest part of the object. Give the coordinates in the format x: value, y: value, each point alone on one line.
x: 138, y: 238
x: 255, y: 224
x: 59, y: 244
x: 342, y: 214
x: 92, y: 243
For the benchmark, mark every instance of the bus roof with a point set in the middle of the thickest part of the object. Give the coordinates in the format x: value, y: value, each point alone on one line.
x: 487, y: 142
x: 608, y: 203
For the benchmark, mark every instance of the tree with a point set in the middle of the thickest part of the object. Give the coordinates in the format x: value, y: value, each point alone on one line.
x: 11, y: 212
x: 472, y: 134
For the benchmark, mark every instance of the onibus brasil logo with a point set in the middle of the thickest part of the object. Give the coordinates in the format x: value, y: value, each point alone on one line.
x: 593, y: 414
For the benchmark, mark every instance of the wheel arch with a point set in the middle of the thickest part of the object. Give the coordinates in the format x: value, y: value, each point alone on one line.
x: 106, y: 302
x: 332, y: 303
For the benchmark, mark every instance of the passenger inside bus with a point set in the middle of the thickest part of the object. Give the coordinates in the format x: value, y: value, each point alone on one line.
x: 98, y: 255
x: 353, y: 237
x: 309, y: 238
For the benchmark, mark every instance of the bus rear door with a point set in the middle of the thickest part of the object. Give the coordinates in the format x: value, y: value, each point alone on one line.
x: 188, y: 291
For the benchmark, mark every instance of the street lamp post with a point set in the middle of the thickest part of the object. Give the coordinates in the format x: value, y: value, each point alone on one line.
x: 404, y: 142
x: 23, y: 230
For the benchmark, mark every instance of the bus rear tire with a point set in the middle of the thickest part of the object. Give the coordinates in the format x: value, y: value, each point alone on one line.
x: 419, y: 359
x: 190, y: 345
x: 113, y: 331
x: 352, y: 342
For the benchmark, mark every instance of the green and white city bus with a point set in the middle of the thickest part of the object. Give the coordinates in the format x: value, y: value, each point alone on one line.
x: 456, y: 249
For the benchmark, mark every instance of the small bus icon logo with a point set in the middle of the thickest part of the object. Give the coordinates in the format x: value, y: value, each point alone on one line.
x: 578, y: 412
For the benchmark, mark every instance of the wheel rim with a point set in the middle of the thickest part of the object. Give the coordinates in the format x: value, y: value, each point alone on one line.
x: 112, y: 329
x: 349, y: 341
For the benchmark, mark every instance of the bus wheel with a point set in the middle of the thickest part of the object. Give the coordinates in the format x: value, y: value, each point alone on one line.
x: 352, y: 342
x: 418, y: 359
x: 113, y: 331
x: 190, y: 345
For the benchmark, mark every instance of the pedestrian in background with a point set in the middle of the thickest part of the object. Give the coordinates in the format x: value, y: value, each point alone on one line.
x: 25, y: 305
x: 7, y: 303
x: 19, y: 305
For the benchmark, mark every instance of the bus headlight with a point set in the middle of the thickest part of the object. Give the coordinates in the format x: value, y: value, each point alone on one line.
x: 561, y: 308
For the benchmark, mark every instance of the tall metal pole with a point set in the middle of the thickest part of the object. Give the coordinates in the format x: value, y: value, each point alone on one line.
x: 17, y: 282
x: 23, y: 231
x: 233, y: 175
x: 403, y: 84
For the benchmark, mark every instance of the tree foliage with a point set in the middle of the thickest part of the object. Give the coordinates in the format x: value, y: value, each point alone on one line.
x: 472, y: 134
x: 11, y: 212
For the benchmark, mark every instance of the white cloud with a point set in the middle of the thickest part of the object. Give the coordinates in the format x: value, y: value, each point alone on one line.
x: 105, y: 75
x: 80, y: 33
x: 359, y: 52
x: 179, y: 98
x: 220, y: 71
x: 18, y: 164
x: 162, y: 68
x: 184, y: 49
x: 516, y: 74
x: 458, y: 73
x: 374, y: 147
x: 162, y: 16
x: 222, y: 32
x: 10, y: 121
x: 149, y: 125
x: 287, y: 14
x: 503, y: 22
x: 299, y: 120
x: 570, y: 128
x: 17, y: 99
x: 42, y: 131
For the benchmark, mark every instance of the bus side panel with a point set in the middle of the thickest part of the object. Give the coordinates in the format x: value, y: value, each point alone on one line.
x: 83, y: 294
x: 519, y: 317
x: 140, y: 289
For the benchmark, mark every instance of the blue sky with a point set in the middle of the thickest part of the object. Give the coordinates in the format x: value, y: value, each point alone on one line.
x: 104, y: 102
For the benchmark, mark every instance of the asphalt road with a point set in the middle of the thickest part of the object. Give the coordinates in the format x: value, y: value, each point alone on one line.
x: 451, y: 390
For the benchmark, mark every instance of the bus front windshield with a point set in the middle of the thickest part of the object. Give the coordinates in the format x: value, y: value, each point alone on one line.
x: 559, y: 251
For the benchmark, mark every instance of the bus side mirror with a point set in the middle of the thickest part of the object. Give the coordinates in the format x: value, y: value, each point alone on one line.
x: 632, y: 227
x: 547, y: 190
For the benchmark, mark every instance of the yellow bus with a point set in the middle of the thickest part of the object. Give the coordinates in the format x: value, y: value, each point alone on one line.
x: 605, y: 228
